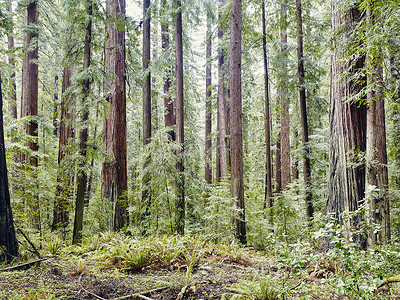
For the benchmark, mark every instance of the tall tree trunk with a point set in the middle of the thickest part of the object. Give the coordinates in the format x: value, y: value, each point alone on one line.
x: 235, y: 76
x: 303, y: 113
x: 221, y: 104
x: 376, y: 153
x: 83, y: 134
x: 284, y: 91
x: 347, y: 125
x: 180, y: 202
x: 65, y: 176
x: 11, y: 61
x: 169, y: 104
x: 8, y: 241
x: 114, y: 167
x: 207, y: 150
x: 29, y: 101
x: 268, y: 200
x: 146, y: 94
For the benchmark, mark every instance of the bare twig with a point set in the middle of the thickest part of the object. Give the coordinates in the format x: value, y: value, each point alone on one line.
x: 297, y: 285
x: 389, y: 280
x: 35, y: 251
x: 89, y: 292
x: 29, y: 263
x: 141, y: 294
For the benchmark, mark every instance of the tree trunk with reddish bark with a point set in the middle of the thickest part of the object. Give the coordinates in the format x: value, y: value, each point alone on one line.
x: 207, y: 150
x: 114, y: 171
x: 235, y: 85
x: 347, y: 125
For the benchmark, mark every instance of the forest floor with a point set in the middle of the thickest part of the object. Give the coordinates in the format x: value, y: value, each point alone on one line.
x: 220, y: 273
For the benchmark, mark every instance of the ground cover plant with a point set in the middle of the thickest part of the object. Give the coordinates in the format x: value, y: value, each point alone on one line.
x: 116, y: 266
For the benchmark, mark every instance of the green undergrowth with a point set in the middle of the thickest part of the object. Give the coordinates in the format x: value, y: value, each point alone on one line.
x: 302, y: 270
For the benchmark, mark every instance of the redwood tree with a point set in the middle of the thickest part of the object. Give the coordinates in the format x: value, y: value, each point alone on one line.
x: 268, y: 165
x: 222, y: 153
x: 347, y: 122
x: 7, y: 231
x: 284, y: 98
x: 146, y: 95
x: 376, y: 153
x: 180, y: 202
x: 207, y: 150
x: 83, y: 133
x: 235, y: 84
x: 114, y: 171
x: 303, y: 112
x: 29, y: 101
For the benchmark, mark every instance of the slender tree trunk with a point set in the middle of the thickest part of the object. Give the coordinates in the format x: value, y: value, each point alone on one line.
x: 29, y: 101
x: 235, y: 75
x: 284, y: 91
x: 146, y: 93
x: 65, y: 176
x: 303, y: 113
x: 169, y: 104
x: 114, y: 167
x: 83, y: 134
x: 8, y: 241
x: 221, y: 105
x: 55, y: 106
x: 11, y: 61
x: 208, y: 171
x: 348, y: 126
x: 376, y: 153
x: 180, y: 202
x: 268, y: 200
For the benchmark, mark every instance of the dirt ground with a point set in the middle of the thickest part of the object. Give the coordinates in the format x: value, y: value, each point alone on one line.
x: 215, y: 278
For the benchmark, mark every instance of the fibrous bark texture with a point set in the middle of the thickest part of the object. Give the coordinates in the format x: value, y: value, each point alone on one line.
x: 7, y: 231
x: 235, y: 77
x: 283, y: 90
x: 303, y: 113
x: 146, y: 96
x: 83, y: 133
x: 348, y: 124
x: 268, y: 165
x: 376, y: 153
x: 180, y: 201
x: 65, y: 176
x: 207, y: 150
x: 29, y: 101
x: 114, y: 167
x: 11, y: 61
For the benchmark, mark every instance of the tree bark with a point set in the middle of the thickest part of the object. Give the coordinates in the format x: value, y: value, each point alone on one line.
x: 114, y: 167
x: 235, y: 75
x: 180, y: 202
x: 7, y: 231
x: 347, y: 125
x: 283, y: 89
x: 221, y: 105
x: 83, y: 134
x: 207, y: 150
x: 29, y: 101
x: 376, y: 153
x: 268, y: 200
x: 303, y: 114
x: 146, y: 93
x: 11, y: 62
x: 65, y: 176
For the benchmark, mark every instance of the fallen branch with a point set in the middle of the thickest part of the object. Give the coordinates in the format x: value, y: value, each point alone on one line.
x: 35, y: 251
x: 142, y: 294
x: 29, y: 263
x: 389, y: 280
x: 89, y: 292
x: 297, y: 285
